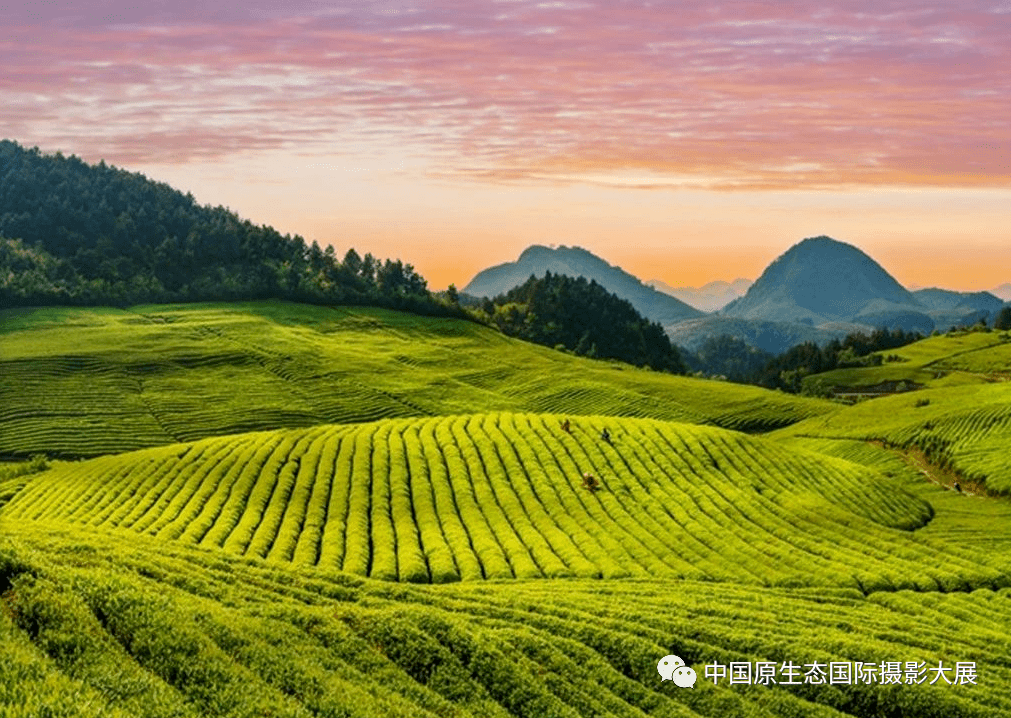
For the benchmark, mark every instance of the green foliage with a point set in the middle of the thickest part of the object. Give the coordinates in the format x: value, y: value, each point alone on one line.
x: 959, y: 359
x: 961, y: 429
x: 86, y: 235
x: 728, y: 357
x: 16, y: 475
x: 504, y: 496
x: 585, y: 318
x: 857, y: 350
x: 1003, y: 321
x: 99, y: 625
x: 817, y: 387
x: 84, y: 382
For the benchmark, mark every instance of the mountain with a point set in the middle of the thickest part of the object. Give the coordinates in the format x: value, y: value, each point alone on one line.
x: 820, y: 281
x: 709, y: 297
x: 1003, y: 291
x: 948, y: 308
x: 945, y: 299
x: 577, y: 262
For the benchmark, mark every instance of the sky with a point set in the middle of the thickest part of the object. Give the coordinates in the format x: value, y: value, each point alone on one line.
x: 684, y: 142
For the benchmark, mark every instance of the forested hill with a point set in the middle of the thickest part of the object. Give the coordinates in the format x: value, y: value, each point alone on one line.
x: 583, y: 317
x: 74, y: 233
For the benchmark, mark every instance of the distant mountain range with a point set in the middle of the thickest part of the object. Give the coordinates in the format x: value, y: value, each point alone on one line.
x: 577, y: 262
x: 817, y: 290
x: 709, y: 297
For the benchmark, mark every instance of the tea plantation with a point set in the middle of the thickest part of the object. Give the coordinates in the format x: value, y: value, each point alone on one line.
x: 500, y: 496
x: 93, y: 624
x: 276, y: 510
x: 86, y: 382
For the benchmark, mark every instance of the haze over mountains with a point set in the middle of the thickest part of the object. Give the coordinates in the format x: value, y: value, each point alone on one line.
x: 1002, y: 292
x: 709, y: 297
x: 817, y: 290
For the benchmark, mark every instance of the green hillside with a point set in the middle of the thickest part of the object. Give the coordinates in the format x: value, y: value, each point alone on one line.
x: 955, y: 429
x: 965, y: 519
x: 84, y: 382
x: 952, y: 359
x: 93, y: 625
x: 963, y: 429
x: 259, y: 466
x: 501, y: 496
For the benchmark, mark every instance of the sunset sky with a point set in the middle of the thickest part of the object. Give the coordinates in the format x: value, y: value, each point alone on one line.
x: 684, y: 142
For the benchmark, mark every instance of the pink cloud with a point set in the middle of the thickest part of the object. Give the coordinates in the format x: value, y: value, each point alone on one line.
x: 738, y: 94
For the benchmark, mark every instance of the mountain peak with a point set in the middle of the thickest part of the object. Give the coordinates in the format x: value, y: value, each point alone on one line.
x: 578, y: 262
x: 821, y: 280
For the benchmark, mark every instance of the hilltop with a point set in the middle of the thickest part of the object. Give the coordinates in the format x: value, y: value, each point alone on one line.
x: 500, y: 496
x: 834, y: 286
x: 821, y: 280
x: 1002, y: 292
x: 577, y: 262
x: 948, y: 308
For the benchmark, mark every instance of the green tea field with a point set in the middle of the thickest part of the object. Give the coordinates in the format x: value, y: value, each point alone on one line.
x: 97, y: 625
x: 500, y: 496
x: 268, y: 509
x: 956, y: 358
x: 86, y: 382
x: 965, y: 430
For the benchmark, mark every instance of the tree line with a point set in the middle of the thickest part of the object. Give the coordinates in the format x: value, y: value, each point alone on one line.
x: 737, y: 361
x: 79, y: 234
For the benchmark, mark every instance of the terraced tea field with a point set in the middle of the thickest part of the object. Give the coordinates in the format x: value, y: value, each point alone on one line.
x: 87, y: 382
x: 94, y: 625
x: 966, y: 429
x: 354, y: 512
x: 953, y: 359
x: 500, y: 496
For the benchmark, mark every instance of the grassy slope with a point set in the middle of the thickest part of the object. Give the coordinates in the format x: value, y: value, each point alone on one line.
x: 96, y: 626
x: 965, y: 428
x: 954, y: 359
x: 84, y: 382
x: 975, y: 522
x: 960, y: 423
x: 500, y: 496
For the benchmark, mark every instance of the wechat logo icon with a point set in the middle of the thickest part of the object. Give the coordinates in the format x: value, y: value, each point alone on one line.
x: 672, y: 668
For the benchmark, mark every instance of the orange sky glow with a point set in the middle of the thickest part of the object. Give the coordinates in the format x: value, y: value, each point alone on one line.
x: 685, y: 145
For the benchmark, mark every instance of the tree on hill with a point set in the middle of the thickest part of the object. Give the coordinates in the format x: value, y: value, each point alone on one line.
x: 1003, y: 321
x: 561, y: 311
x: 73, y: 233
